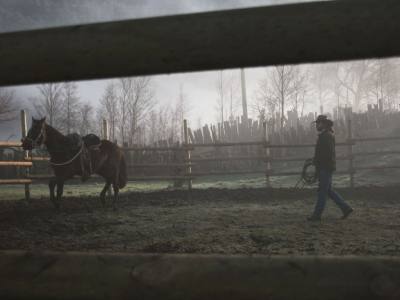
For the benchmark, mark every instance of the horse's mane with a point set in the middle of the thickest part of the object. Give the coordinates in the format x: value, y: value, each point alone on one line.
x: 50, y: 129
x: 55, y: 141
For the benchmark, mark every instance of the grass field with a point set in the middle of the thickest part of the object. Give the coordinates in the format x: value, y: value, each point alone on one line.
x: 388, y: 177
x: 74, y: 189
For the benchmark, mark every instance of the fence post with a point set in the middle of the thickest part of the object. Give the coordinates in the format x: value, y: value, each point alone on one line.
x: 350, y: 152
x: 106, y: 137
x: 267, y: 154
x: 24, y: 131
x: 187, y: 151
x: 105, y: 129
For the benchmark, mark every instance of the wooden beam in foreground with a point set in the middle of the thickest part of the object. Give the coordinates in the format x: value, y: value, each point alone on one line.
x: 37, y: 275
x: 260, y: 36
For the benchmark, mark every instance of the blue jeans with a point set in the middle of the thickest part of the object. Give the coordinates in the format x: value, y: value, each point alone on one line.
x: 324, y: 190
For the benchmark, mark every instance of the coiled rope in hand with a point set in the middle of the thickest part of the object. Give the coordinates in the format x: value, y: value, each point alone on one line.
x: 308, y: 177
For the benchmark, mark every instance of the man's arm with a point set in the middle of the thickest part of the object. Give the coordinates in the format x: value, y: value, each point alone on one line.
x: 324, y: 150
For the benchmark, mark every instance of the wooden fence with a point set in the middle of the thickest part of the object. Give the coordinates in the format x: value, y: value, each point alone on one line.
x: 207, y: 41
x: 182, y: 163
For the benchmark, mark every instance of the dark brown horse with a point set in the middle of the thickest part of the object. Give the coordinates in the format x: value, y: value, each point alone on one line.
x: 67, y: 160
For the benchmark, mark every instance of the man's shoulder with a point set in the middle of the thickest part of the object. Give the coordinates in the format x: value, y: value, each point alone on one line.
x: 327, y: 135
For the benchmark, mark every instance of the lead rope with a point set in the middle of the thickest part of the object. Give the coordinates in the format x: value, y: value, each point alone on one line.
x: 69, y: 161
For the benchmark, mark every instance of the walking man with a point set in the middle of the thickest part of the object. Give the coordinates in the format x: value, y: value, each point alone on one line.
x: 325, y: 164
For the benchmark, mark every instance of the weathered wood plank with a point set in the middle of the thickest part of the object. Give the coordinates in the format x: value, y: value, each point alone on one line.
x: 155, y: 276
x: 286, y: 34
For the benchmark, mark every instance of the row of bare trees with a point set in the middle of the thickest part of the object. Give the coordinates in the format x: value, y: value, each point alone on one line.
x: 166, y: 122
x: 127, y: 103
x: 7, y: 105
x: 61, y: 105
x: 135, y: 118
x: 320, y: 88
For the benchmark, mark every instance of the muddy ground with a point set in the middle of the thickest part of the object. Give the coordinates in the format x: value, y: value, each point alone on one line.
x: 241, y: 221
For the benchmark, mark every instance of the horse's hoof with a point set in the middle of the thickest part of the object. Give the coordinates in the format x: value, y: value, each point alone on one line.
x: 56, y: 205
x: 88, y: 209
x: 103, y: 201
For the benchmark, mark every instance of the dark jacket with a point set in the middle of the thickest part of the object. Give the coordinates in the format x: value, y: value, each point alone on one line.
x: 325, y: 155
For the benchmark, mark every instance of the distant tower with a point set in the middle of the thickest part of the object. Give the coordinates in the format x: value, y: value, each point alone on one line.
x: 244, y: 96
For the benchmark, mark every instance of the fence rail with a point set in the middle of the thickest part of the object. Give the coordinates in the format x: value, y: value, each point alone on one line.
x: 15, y: 181
x: 16, y: 163
x: 7, y: 144
x: 37, y: 158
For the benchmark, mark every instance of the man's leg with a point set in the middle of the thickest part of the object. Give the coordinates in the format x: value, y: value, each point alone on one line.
x: 345, y: 208
x: 323, y: 187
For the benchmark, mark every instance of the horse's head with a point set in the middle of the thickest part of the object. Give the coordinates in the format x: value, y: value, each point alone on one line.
x: 36, y: 135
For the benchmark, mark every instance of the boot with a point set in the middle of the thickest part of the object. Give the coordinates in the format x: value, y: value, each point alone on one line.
x: 347, y: 212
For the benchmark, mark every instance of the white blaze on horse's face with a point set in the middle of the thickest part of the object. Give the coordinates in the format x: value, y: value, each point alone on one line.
x: 35, y: 136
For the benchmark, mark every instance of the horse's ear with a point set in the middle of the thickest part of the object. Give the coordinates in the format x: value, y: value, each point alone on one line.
x: 43, y: 120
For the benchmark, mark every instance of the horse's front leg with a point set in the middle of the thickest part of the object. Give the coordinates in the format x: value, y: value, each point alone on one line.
x: 104, y: 191
x: 52, y: 185
x: 116, y: 195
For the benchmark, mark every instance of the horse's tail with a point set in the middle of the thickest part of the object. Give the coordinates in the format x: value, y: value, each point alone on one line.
x: 123, y: 176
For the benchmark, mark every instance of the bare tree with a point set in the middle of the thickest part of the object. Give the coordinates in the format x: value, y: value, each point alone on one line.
x: 7, y: 105
x: 353, y: 76
x: 300, y: 89
x: 383, y: 83
x: 281, y: 91
x: 182, y: 110
x: 264, y: 104
x: 48, y: 103
x: 70, y: 107
x: 86, y: 119
x: 124, y: 97
x: 321, y: 83
x: 160, y: 124
x: 135, y: 101
x: 164, y: 123
x: 140, y: 104
x: 109, y: 109
x: 153, y: 127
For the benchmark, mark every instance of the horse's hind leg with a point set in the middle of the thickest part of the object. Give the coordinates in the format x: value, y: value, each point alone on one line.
x: 104, y: 191
x: 116, y: 195
x: 116, y: 185
x: 52, y: 185
x: 60, y: 191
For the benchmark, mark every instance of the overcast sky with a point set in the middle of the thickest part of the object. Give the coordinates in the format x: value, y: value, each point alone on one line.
x: 199, y: 88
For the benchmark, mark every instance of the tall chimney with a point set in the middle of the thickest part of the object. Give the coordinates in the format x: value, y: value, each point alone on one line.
x: 244, y: 96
